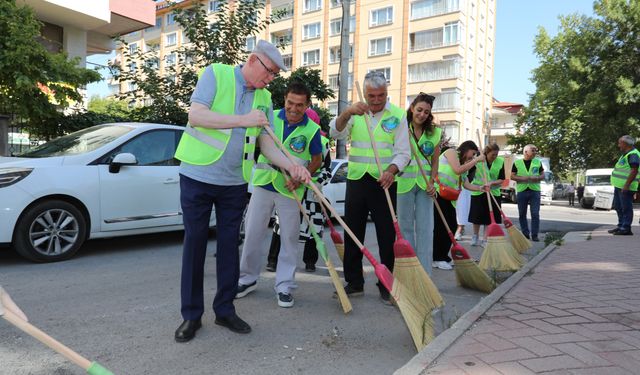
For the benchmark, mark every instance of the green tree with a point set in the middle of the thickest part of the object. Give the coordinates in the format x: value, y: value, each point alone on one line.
x: 108, y: 106
x: 28, y: 70
x: 223, y: 40
x: 587, y: 88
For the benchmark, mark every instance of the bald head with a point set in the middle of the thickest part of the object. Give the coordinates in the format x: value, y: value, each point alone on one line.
x: 530, y: 152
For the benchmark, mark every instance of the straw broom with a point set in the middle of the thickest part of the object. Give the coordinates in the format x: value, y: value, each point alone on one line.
x: 498, y: 255
x: 420, y: 326
x: 518, y: 240
x: 322, y: 250
x: 11, y: 313
x: 335, y: 236
x: 468, y: 274
x: 407, y: 268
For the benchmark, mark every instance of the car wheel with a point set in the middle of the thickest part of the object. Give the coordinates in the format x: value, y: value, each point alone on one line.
x: 584, y: 205
x: 50, y: 231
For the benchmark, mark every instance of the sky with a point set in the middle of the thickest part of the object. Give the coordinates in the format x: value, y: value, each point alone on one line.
x: 517, y: 24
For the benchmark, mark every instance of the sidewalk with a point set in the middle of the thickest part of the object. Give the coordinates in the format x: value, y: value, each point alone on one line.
x: 576, y: 312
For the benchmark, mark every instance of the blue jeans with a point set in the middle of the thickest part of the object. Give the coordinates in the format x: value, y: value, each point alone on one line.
x: 623, y: 203
x: 197, y: 199
x: 415, y: 215
x: 532, y: 199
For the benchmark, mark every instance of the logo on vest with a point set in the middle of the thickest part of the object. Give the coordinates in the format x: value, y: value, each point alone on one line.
x: 622, y: 162
x: 427, y: 148
x: 534, y: 170
x: 389, y: 124
x: 298, y: 144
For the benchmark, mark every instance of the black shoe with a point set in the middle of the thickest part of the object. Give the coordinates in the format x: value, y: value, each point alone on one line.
x: 234, y: 323
x: 384, y: 294
x: 285, y: 300
x: 613, y: 231
x: 352, y: 291
x: 187, y: 330
x: 243, y: 290
x: 271, y: 267
x: 527, y: 236
x: 623, y: 233
x: 535, y: 239
x: 310, y: 268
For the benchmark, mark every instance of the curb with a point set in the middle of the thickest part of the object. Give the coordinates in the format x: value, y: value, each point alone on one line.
x: 421, y: 361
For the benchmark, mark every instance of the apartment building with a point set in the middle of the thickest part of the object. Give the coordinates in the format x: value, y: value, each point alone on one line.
x: 441, y: 47
x: 503, y: 119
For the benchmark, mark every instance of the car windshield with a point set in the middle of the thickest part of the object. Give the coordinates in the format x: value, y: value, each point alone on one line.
x: 79, y: 142
x: 598, y: 180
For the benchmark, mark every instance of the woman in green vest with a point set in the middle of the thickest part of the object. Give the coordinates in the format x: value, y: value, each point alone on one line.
x: 453, y: 166
x: 479, y: 211
x: 415, y: 208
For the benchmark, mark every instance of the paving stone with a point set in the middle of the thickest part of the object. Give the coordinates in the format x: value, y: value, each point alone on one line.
x: 560, y: 362
x: 539, y: 348
x: 506, y: 355
x: 583, y: 355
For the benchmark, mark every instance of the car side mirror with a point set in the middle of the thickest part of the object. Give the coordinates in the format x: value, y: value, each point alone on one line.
x: 119, y: 160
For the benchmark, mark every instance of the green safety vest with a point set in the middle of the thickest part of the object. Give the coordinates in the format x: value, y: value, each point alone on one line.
x: 447, y: 175
x: 297, y: 144
x: 204, y: 146
x: 494, y: 172
x: 411, y: 175
x: 534, y: 170
x: 622, y: 171
x: 361, y: 157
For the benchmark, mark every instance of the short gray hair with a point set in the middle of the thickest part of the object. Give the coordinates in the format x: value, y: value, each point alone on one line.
x: 375, y: 79
x: 628, y: 140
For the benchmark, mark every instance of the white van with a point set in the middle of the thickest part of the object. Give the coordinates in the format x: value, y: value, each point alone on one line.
x: 596, y: 179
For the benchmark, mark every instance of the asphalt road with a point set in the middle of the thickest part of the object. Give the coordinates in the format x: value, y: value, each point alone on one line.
x: 117, y: 303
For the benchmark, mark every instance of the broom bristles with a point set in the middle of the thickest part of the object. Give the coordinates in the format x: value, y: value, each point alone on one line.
x: 470, y: 276
x: 500, y: 256
x: 340, y: 250
x: 518, y: 240
x: 335, y: 279
x: 416, y: 316
x: 409, y: 272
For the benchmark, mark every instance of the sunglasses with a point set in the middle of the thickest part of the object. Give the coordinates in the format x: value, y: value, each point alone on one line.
x: 426, y: 97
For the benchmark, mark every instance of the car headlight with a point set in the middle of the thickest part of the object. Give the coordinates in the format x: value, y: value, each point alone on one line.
x: 9, y: 176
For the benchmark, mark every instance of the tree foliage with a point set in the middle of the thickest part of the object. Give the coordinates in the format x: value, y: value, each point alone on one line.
x: 223, y: 41
x: 34, y: 83
x: 587, y: 88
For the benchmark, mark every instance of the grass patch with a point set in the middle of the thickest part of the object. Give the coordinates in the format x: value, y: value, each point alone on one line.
x: 554, y: 238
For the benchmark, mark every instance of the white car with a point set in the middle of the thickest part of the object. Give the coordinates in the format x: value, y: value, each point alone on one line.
x: 104, y: 181
x: 336, y: 188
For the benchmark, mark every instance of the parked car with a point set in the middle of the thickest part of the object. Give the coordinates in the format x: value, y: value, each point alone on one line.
x: 336, y: 188
x: 104, y: 181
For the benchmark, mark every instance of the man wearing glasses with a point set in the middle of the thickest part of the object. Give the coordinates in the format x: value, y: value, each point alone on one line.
x: 365, y: 185
x: 228, y: 108
x: 528, y: 172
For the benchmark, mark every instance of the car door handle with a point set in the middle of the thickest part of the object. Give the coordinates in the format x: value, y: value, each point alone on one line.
x: 170, y: 181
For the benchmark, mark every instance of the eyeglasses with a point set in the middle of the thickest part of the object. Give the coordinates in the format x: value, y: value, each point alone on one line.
x: 270, y: 71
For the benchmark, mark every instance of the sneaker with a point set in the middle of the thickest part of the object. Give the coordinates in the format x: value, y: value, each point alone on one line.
x: 614, y: 230
x: 385, y: 296
x: 352, y: 291
x: 271, y: 267
x: 623, y: 232
x: 483, y: 244
x: 474, y: 240
x: 458, y: 236
x: 442, y: 265
x: 526, y: 236
x: 285, y: 300
x: 310, y: 268
x: 243, y: 290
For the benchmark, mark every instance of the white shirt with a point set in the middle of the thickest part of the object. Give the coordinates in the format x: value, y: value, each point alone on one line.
x: 401, y: 150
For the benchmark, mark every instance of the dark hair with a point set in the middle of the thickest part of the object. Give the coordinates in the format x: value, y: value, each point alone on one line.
x: 298, y: 88
x: 465, y: 147
x: 490, y: 147
x: 422, y: 97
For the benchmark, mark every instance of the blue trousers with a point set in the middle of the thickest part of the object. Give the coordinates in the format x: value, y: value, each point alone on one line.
x: 623, y: 203
x: 532, y: 199
x: 197, y: 199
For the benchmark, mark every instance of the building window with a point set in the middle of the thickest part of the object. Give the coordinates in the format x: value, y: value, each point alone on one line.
x: 335, y: 26
x: 311, y: 57
x: 379, y: 47
x: 311, y: 5
x: 133, y: 66
x: 132, y: 86
x: 434, y: 38
x: 282, y: 38
x: 335, y: 54
x: 334, y: 82
x: 311, y: 31
x: 152, y: 46
x: 250, y: 44
x: 158, y: 22
x: 153, y: 63
x: 452, y: 130
x: 171, y: 39
x: 448, y: 68
x: 385, y: 71
x: 332, y: 107
x: 170, y: 59
x: 171, y: 19
x: 286, y: 12
x: 381, y: 17
x: 337, y: 3
x: 430, y: 8
x: 214, y: 6
x: 287, y: 60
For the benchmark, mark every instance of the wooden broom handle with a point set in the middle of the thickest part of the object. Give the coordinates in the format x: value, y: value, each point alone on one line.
x: 424, y: 176
x: 46, y: 339
x: 316, y: 190
x: 375, y: 153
